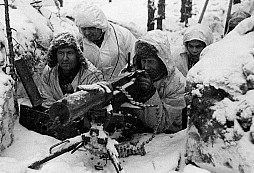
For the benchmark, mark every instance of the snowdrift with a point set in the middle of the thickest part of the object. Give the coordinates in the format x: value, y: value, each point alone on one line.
x: 221, y: 106
x: 32, y: 31
x: 7, y: 111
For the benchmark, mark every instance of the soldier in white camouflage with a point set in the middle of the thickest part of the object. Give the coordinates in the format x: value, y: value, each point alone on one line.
x: 66, y: 69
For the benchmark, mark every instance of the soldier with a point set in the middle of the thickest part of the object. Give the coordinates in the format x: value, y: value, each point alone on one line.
x: 235, y: 18
x: 161, y: 84
x: 195, y: 39
x: 66, y: 69
x: 105, y: 44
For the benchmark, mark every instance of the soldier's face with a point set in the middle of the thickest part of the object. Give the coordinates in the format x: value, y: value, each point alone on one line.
x: 67, y: 59
x: 195, y: 47
x: 151, y: 65
x: 91, y: 33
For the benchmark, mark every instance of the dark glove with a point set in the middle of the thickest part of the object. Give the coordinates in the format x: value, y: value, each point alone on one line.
x: 118, y: 100
x: 141, y: 91
x: 143, y: 88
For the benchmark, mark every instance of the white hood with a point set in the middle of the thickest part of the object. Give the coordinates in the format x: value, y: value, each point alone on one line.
x: 91, y: 16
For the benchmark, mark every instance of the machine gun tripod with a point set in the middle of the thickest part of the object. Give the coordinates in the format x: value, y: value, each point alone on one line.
x: 96, y: 141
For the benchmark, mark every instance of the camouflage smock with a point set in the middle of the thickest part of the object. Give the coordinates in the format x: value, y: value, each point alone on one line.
x: 112, y: 56
x: 51, y: 90
x: 169, y: 95
x: 181, y: 54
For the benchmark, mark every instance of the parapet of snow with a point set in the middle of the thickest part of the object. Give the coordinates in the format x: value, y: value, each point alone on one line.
x: 7, y: 111
x: 221, y: 128
x: 229, y: 63
x: 40, y: 23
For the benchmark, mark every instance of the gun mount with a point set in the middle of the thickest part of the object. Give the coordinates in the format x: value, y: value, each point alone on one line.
x: 90, y: 103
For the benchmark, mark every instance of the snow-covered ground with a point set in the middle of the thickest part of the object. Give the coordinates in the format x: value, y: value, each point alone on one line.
x: 164, y: 151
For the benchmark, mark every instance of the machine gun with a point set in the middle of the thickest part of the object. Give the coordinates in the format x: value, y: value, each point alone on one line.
x: 72, y: 108
x: 64, y: 119
x: 96, y: 140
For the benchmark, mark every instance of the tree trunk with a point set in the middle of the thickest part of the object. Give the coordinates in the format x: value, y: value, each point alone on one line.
x: 186, y: 9
x: 151, y: 10
x: 11, y: 53
x: 161, y: 13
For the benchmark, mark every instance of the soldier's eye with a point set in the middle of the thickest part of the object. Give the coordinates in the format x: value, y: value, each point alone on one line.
x: 2, y: 45
x: 60, y: 53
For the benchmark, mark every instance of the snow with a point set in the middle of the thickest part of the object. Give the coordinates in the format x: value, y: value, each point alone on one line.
x: 229, y: 75
x: 164, y: 151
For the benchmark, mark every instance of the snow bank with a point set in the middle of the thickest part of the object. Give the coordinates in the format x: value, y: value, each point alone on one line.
x: 229, y: 63
x: 7, y: 111
x: 221, y: 108
x: 32, y: 32
x: 7, y: 116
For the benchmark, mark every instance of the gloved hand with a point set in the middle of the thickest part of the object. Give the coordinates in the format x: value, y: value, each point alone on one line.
x: 118, y: 100
x: 99, y: 87
x: 141, y: 91
x: 143, y: 88
x: 103, y: 88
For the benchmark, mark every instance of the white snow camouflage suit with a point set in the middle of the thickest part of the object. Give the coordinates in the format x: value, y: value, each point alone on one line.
x: 112, y: 56
x: 88, y: 74
x: 169, y: 95
x: 181, y: 54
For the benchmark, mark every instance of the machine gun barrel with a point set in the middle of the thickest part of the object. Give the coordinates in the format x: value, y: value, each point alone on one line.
x: 77, y: 104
